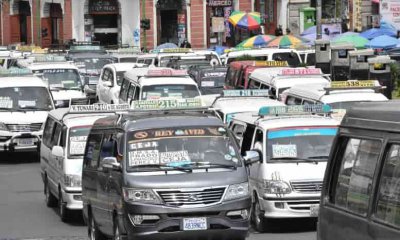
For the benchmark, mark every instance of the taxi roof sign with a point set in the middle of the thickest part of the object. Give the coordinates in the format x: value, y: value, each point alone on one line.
x: 295, y: 110
x: 86, y: 48
x: 174, y: 50
x: 98, y: 108
x: 246, y: 93
x: 353, y: 84
x: 271, y: 64
x: 167, y: 104
x: 301, y: 71
x: 165, y: 73
x: 49, y: 58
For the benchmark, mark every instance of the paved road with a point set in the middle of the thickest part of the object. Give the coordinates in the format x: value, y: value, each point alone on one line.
x: 23, y: 214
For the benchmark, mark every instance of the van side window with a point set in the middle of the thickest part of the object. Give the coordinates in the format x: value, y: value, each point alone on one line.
x: 63, y: 138
x: 48, y: 131
x: 56, y: 135
x: 131, y: 91
x: 254, y: 84
x: 92, y: 152
x: 258, y: 140
x: 247, y: 138
x: 107, y: 147
x: 124, y: 89
x: 354, y: 179
x: 388, y: 204
x: 137, y: 94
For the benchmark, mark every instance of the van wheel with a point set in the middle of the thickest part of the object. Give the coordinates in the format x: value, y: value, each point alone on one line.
x: 257, y: 217
x: 63, y: 211
x: 50, y: 200
x: 94, y: 232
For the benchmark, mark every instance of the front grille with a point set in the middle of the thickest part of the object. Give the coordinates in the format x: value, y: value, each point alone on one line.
x: 306, y: 186
x: 302, y: 205
x: 180, y: 198
x: 33, y: 127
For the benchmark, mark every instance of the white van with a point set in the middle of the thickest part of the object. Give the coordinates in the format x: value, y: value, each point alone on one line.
x: 266, y: 54
x: 61, y: 153
x: 278, y: 80
x: 24, y: 104
x: 157, y: 83
x: 109, y: 85
x: 338, y: 94
x: 294, y: 146
x: 63, y: 78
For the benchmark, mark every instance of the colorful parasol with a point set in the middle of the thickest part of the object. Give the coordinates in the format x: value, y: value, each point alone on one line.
x: 249, y: 21
x: 356, y: 40
x: 256, y: 41
x: 287, y: 41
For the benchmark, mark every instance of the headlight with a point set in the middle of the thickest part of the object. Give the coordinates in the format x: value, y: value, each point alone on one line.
x: 237, y: 191
x: 72, y: 180
x: 141, y: 195
x: 3, y: 127
x: 276, y: 187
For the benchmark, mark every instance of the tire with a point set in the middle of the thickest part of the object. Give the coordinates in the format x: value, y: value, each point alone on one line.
x: 50, y: 200
x: 94, y: 232
x: 62, y: 210
x: 257, y: 218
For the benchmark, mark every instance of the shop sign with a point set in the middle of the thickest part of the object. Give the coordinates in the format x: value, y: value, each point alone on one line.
x: 219, y: 3
x: 103, y: 6
x: 390, y: 12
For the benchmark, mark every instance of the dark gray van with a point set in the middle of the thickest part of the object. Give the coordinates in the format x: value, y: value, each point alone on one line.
x: 361, y: 193
x: 165, y: 175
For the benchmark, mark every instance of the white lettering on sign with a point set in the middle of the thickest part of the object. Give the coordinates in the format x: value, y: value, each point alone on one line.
x: 141, y: 145
x: 145, y: 157
x: 284, y: 151
x: 246, y: 93
x: 214, y: 74
x: 305, y: 71
x: 174, y: 157
x: 26, y: 103
x: 77, y: 148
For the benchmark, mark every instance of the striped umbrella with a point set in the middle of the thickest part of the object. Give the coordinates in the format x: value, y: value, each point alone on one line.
x: 249, y: 21
x: 287, y: 41
x: 256, y: 41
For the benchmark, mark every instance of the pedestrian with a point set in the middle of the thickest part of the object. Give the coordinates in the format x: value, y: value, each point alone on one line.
x: 279, y: 31
x: 186, y: 44
x: 288, y: 32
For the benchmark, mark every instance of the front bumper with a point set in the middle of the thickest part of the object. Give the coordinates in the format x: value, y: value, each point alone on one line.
x: 170, y: 223
x: 290, y: 207
x: 20, y: 142
x: 73, y: 199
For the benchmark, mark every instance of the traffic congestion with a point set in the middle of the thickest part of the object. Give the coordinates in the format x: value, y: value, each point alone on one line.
x: 180, y: 143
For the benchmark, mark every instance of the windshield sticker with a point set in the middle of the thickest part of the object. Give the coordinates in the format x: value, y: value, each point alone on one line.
x: 175, y: 95
x: 145, y: 157
x: 27, y: 103
x: 141, y: 145
x: 302, y: 132
x: 140, y: 135
x: 214, y: 74
x: 153, y: 95
x: 207, y: 83
x: 190, y: 132
x: 54, y: 71
x: 77, y: 148
x: 175, y: 157
x: 6, y: 102
x: 78, y: 138
x: 284, y: 151
x: 164, y: 133
x: 58, y: 85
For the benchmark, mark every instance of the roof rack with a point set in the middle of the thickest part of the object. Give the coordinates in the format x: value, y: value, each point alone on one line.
x: 295, y: 110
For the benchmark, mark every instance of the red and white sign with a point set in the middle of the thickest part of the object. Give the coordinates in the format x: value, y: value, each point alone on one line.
x: 305, y: 71
x: 166, y: 72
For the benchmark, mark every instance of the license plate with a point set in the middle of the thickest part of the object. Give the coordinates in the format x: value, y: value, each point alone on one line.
x: 314, y: 210
x: 24, y: 141
x: 191, y: 224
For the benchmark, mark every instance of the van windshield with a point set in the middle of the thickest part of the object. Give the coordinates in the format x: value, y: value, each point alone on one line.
x: 186, y: 147
x: 23, y: 98
x: 77, y: 141
x: 169, y: 91
x: 63, y: 79
x: 300, y: 144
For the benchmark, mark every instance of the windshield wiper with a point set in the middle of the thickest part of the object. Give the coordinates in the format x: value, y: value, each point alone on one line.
x: 210, y: 164
x: 295, y: 158
x: 6, y: 109
x: 319, y: 157
x: 162, y: 167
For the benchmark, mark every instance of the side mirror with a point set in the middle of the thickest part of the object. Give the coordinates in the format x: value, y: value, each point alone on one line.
x: 251, y: 157
x: 107, y: 84
x: 86, y: 81
x: 57, y: 151
x: 110, y: 163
